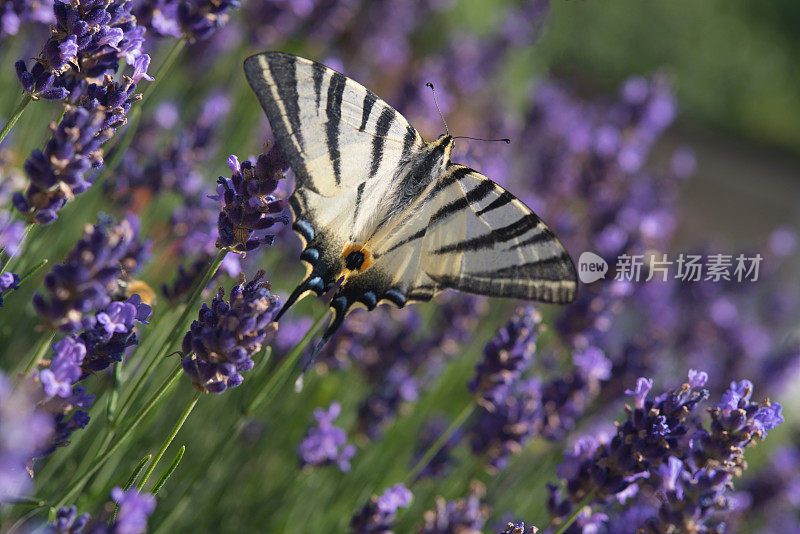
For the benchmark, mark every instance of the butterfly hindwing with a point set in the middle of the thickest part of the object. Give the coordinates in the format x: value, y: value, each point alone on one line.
x: 336, y: 133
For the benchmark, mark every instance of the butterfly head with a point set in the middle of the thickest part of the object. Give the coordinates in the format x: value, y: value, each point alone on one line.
x: 445, y: 144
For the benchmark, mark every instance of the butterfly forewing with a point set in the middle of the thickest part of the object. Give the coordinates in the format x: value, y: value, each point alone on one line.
x: 336, y: 133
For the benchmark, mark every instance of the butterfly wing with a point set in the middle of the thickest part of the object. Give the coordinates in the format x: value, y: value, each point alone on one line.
x: 483, y: 240
x: 466, y: 233
x: 335, y: 133
x: 345, y: 146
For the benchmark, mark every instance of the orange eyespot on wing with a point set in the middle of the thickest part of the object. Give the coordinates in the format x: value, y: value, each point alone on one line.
x: 357, y: 257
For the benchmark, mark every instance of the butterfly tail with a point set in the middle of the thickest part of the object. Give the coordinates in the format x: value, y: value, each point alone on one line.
x: 313, y: 283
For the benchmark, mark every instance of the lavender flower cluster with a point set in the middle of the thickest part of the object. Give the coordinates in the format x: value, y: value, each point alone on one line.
x: 193, y: 19
x: 76, y: 357
x: 24, y: 431
x: 220, y: 344
x: 77, y: 64
x: 134, y: 510
x: 92, y: 275
x: 515, y: 408
x: 664, y: 455
x: 248, y: 204
x: 379, y: 515
x: 326, y: 443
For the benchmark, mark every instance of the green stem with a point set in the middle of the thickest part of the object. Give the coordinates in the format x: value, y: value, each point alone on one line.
x: 575, y: 513
x: 15, y: 116
x: 136, y: 472
x: 13, y: 260
x: 41, y: 350
x: 32, y: 270
x: 171, y: 469
x: 128, y: 483
x: 168, y: 441
x: 178, y: 327
x: 172, y: 55
x: 271, y: 387
x: 284, y: 370
x: 437, y: 446
x: 120, y: 439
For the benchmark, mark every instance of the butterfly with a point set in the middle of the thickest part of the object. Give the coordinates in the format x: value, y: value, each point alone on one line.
x: 387, y: 213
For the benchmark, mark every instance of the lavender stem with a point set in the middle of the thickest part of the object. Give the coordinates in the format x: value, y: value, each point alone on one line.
x: 434, y: 449
x: 41, y: 350
x: 281, y: 375
x: 575, y: 513
x: 15, y: 116
x: 171, y: 469
x: 164, y: 446
x: 120, y: 438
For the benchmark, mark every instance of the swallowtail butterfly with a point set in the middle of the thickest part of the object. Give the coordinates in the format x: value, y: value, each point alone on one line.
x: 390, y: 213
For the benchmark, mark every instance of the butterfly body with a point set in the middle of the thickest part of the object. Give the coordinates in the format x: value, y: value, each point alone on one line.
x: 389, y: 214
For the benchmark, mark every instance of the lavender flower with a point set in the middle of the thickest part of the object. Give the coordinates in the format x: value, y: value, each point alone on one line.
x: 58, y: 173
x: 134, y: 509
x: 68, y: 521
x: 326, y: 443
x: 220, y: 344
x: 380, y: 513
x: 515, y: 409
x: 113, y: 333
x: 466, y: 516
x: 12, y: 232
x: 24, y: 430
x: 61, y: 395
x: 78, y: 63
x: 519, y: 528
x: 131, y: 518
x: 89, y: 39
x: 194, y: 19
x: 64, y: 369
x: 8, y: 282
x: 248, y: 206
x: 90, y: 275
x: 506, y: 356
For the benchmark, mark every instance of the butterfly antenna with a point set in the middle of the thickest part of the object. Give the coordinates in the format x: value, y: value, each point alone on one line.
x: 506, y: 140
x: 429, y: 84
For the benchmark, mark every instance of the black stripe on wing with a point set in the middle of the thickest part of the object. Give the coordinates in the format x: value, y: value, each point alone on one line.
x: 489, y: 239
x: 499, y: 202
x: 553, y: 269
x: 382, y: 128
x: 474, y: 195
x: 334, y: 113
x: 318, y: 74
x: 284, y: 71
x: 281, y: 69
x: 366, y: 108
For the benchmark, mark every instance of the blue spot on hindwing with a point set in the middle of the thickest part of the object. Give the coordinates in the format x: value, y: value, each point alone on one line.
x: 370, y: 299
x: 311, y: 255
x: 304, y: 228
x: 396, y: 297
x: 316, y: 284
